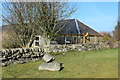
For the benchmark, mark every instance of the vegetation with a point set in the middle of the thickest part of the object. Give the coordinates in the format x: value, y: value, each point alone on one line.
x: 89, y: 64
x: 109, y: 39
x: 28, y: 19
x: 117, y: 32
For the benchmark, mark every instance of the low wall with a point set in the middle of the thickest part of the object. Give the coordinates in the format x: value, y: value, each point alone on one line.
x: 20, y: 55
x: 24, y: 55
x: 79, y: 47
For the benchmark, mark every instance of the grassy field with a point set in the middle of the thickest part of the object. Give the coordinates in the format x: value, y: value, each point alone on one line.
x: 89, y: 64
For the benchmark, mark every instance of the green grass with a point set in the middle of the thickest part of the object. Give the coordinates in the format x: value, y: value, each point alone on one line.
x: 89, y: 64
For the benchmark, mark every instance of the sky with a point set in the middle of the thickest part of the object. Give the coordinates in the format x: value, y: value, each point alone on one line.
x: 100, y: 16
x: 0, y: 16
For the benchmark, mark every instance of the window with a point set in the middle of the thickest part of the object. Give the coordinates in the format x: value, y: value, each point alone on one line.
x: 36, y: 43
x: 37, y: 38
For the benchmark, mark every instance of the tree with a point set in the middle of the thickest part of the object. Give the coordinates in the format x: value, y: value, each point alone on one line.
x: 34, y: 18
x: 117, y: 32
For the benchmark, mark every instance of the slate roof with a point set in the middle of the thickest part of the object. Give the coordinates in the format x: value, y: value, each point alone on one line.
x: 70, y: 28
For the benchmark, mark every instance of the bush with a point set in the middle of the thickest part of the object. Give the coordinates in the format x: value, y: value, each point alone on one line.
x: 117, y: 32
x: 109, y: 39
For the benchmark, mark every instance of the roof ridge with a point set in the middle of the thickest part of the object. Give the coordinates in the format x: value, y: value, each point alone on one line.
x: 88, y: 26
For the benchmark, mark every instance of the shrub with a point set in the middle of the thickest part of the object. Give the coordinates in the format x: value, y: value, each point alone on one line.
x: 109, y: 39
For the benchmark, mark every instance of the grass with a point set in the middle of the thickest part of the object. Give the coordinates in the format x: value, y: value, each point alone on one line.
x: 89, y: 64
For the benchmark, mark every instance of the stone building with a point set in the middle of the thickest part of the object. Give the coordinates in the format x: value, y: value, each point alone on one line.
x: 75, y: 32
x: 72, y: 32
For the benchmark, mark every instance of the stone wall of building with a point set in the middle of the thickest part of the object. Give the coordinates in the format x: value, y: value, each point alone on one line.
x: 24, y: 55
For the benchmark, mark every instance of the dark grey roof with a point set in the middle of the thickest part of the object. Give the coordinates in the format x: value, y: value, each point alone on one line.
x: 70, y: 27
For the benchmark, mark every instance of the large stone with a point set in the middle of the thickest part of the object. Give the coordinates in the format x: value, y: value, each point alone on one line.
x: 48, y: 58
x: 54, y: 66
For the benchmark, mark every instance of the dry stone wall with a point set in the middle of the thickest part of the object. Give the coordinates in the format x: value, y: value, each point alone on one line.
x: 24, y: 55
x: 79, y: 47
x: 20, y: 55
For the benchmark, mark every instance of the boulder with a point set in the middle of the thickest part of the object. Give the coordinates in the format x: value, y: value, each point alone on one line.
x: 54, y: 66
x: 48, y: 58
